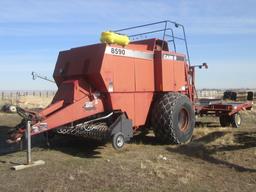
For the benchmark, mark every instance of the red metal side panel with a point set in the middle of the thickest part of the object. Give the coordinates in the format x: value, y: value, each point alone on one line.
x: 144, y: 75
x: 71, y: 113
x: 136, y: 105
x: 52, y: 108
x: 164, y: 78
x: 169, y: 71
x: 158, y: 71
x: 82, y: 62
x: 168, y: 83
x: 124, y: 77
x: 125, y: 102
x: 118, y: 71
x: 107, y: 71
x: 179, y: 75
x: 142, y: 104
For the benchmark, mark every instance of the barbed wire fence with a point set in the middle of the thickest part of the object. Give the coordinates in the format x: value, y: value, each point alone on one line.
x: 13, y: 96
x: 17, y: 94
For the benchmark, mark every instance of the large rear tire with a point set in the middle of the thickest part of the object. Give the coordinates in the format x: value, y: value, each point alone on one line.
x: 173, y: 118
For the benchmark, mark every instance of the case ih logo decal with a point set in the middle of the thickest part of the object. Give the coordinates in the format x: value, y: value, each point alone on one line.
x: 128, y: 53
x: 173, y: 57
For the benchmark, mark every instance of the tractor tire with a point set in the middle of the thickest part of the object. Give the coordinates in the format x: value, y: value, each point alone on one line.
x: 173, y: 118
x: 118, y: 141
x: 236, y: 120
x: 225, y: 120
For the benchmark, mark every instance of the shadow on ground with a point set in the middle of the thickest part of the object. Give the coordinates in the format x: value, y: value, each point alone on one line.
x: 74, y: 146
x: 201, y: 124
x: 144, y: 139
x: 198, y: 148
x: 6, y: 148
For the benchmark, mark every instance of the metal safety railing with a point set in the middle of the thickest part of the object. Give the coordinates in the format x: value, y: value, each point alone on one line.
x: 166, y: 28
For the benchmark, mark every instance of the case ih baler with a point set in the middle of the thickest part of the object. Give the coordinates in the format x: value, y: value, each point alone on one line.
x: 108, y: 90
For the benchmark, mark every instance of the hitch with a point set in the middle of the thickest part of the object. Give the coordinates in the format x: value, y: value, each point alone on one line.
x: 28, y: 116
x: 29, y: 162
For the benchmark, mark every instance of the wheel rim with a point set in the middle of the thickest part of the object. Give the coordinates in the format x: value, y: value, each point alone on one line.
x: 183, y: 119
x: 238, y: 119
x: 119, y: 141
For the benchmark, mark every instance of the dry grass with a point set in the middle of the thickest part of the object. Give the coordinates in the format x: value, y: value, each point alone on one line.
x: 29, y: 102
x: 34, y: 102
x: 216, y: 159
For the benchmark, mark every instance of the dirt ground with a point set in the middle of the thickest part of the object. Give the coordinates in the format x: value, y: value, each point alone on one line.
x: 217, y: 159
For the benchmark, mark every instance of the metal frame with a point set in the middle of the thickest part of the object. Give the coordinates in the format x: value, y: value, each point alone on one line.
x: 28, y: 136
x: 165, y: 29
x: 29, y: 162
x: 222, y: 108
x: 36, y: 75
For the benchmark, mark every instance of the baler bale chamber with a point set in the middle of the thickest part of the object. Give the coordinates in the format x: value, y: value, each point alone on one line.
x: 110, y: 91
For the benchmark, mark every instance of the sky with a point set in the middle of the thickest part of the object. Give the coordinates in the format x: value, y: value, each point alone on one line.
x: 219, y: 32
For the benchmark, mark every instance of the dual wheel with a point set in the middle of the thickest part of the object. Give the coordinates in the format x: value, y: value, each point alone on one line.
x: 234, y: 120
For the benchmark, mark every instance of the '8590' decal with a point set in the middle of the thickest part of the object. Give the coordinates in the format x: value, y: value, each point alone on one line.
x: 117, y: 51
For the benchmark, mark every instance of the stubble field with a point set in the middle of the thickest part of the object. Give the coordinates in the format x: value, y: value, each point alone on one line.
x: 217, y: 159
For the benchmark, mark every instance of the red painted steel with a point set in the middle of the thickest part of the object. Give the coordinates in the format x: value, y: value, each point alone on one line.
x: 227, y: 108
x: 69, y: 104
x: 129, y: 82
x: 101, y: 78
x: 112, y: 77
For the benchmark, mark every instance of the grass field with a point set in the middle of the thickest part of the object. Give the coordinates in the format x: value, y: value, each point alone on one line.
x: 217, y: 159
x: 28, y: 101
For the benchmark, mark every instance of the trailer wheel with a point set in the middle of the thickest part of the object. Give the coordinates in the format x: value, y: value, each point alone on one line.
x: 173, y: 118
x: 118, y: 141
x: 236, y: 120
x: 225, y: 120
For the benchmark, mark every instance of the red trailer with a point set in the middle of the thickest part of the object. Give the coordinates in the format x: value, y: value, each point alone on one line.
x: 227, y: 111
